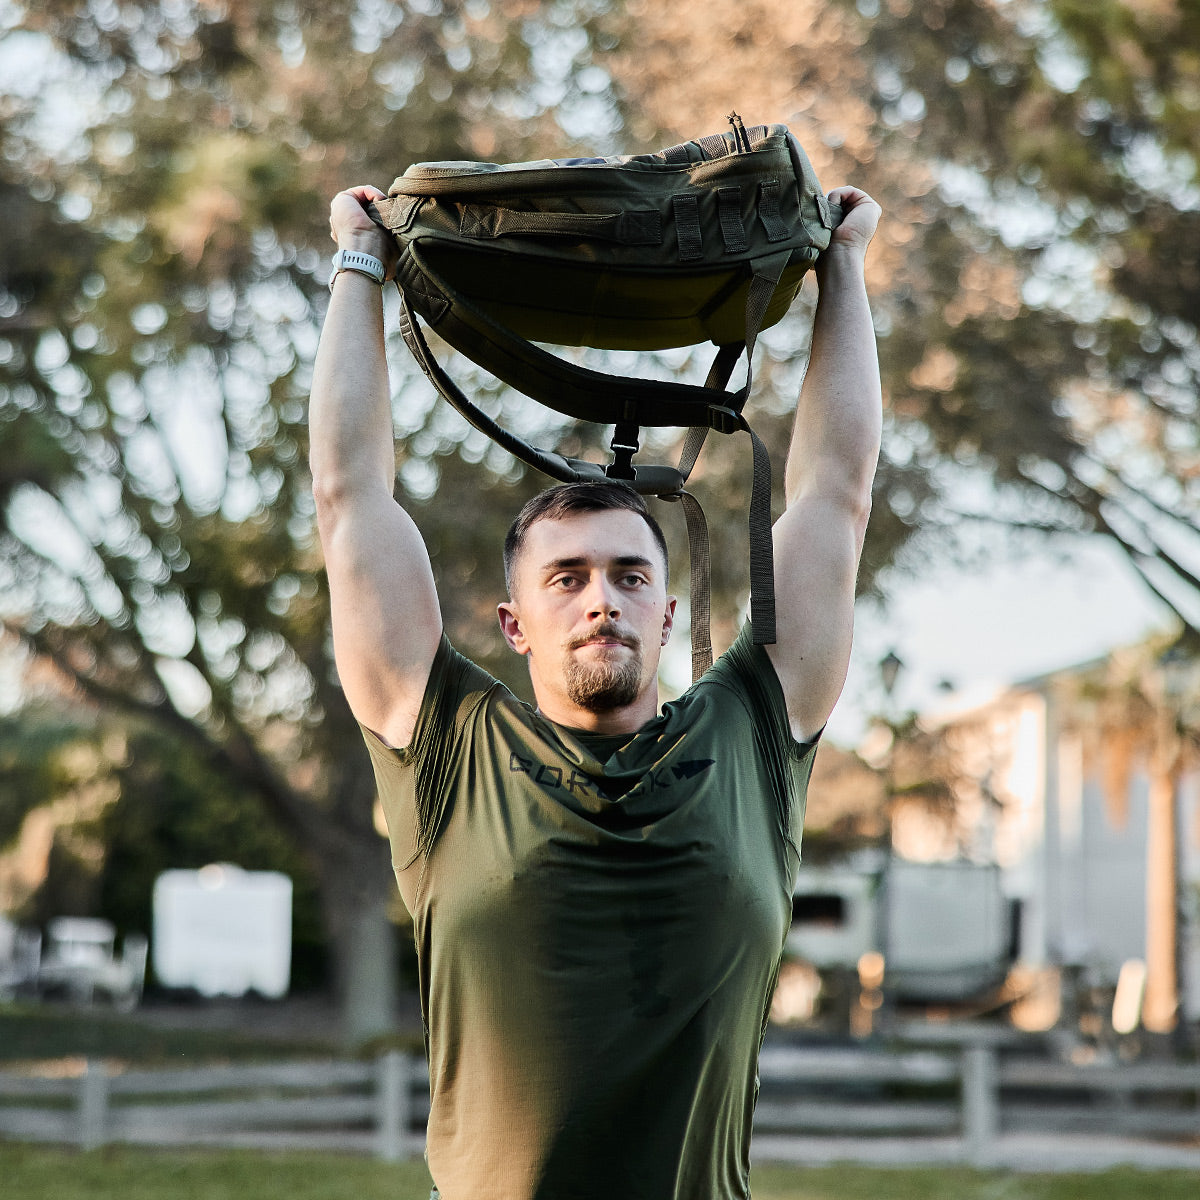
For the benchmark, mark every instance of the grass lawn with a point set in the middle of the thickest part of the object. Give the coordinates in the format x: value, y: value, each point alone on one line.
x: 117, y: 1173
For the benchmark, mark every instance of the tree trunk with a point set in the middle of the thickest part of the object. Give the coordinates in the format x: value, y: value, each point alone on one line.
x: 359, y: 890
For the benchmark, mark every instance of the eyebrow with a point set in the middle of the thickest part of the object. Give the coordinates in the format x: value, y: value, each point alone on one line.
x: 624, y: 560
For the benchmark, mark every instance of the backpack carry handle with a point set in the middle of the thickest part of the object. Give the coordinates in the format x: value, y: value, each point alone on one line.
x: 628, y: 228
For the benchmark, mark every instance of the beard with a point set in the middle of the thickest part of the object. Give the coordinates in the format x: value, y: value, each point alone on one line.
x: 604, y: 685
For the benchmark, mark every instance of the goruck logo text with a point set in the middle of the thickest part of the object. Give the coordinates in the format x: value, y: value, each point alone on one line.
x: 555, y: 778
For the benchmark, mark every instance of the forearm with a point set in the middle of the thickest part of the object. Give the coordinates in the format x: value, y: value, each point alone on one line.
x: 836, y: 435
x: 350, y: 418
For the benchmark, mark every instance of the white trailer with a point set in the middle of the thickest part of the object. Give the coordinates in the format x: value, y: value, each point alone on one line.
x: 223, y: 931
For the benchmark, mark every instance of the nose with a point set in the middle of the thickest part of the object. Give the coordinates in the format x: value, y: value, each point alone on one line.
x: 603, y: 598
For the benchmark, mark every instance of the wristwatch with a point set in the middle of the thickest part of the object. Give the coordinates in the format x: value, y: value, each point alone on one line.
x: 356, y: 260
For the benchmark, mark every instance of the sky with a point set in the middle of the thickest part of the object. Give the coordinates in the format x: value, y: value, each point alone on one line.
x: 983, y: 630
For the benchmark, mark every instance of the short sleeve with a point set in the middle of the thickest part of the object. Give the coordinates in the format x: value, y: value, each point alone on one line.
x: 412, y: 780
x: 746, y: 669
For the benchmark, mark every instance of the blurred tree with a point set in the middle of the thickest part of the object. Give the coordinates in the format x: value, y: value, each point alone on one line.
x: 1037, y: 277
x: 108, y: 804
x: 168, y: 169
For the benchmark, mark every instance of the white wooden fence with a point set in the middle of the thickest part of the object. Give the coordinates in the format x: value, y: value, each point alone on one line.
x: 370, y: 1107
x: 978, y: 1106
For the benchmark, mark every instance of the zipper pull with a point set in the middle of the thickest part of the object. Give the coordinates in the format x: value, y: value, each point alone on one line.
x: 740, y: 138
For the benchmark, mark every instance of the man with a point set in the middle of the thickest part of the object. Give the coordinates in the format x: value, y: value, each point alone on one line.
x: 600, y: 891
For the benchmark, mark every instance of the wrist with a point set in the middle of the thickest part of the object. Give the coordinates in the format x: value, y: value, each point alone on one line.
x: 840, y: 258
x: 366, y: 241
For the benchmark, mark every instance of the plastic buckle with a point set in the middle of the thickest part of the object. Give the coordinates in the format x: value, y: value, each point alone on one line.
x: 624, y: 446
x: 725, y: 420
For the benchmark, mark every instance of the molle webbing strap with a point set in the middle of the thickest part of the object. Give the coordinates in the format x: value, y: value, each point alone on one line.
x: 633, y: 227
x: 687, y: 227
x: 768, y: 211
x: 729, y: 213
x: 715, y: 145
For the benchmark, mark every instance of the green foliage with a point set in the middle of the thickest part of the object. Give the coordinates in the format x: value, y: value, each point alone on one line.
x: 140, y: 802
x: 31, y: 764
x: 1044, y: 330
x: 175, y: 812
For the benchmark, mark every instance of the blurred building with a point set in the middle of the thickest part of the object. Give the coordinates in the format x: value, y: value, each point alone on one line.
x: 1083, y: 786
x: 1077, y: 792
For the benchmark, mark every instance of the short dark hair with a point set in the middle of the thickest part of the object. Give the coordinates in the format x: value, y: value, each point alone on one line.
x: 566, y: 499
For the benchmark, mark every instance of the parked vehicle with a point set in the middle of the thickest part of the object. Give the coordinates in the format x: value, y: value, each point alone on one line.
x: 941, y: 932
x: 81, y: 962
x: 20, y: 956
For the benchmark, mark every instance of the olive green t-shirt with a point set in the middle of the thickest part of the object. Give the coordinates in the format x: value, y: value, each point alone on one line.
x: 599, y: 924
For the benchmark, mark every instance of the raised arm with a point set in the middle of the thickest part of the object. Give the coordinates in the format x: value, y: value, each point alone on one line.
x: 830, y: 469
x: 386, y: 619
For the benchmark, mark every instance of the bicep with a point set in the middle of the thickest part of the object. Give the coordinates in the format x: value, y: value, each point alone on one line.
x: 818, y: 541
x: 385, y: 612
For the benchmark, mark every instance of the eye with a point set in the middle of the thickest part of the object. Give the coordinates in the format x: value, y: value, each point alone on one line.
x: 633, y: 581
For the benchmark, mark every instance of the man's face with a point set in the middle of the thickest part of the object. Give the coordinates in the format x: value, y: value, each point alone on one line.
x: 590, y: 611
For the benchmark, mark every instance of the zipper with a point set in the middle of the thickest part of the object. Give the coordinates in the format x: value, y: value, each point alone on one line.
x: 741, y: 139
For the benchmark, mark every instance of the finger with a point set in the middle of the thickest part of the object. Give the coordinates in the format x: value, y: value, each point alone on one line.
x: 849, y: 197
x: 365, y: 191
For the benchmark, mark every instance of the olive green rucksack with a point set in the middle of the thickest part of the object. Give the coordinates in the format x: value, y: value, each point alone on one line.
x: 705, y: 241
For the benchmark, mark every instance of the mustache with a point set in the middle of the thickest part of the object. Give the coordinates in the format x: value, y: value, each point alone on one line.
x: 608, y: 631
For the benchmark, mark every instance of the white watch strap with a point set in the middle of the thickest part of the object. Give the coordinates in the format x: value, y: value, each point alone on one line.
x: 356, y: 260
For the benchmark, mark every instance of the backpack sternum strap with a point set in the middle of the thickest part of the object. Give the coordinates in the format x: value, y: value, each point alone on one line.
x: 624, y: 446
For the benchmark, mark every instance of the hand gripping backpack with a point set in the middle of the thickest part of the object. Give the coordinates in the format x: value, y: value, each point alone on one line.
x: 704, y: 241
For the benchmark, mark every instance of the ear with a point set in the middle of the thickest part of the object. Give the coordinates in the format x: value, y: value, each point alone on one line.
x: 510, y: 626
x: 668, y: 619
